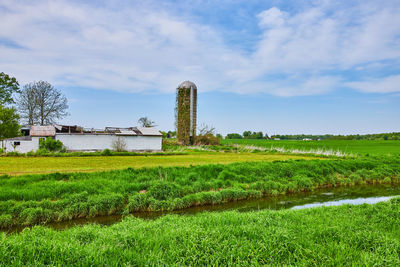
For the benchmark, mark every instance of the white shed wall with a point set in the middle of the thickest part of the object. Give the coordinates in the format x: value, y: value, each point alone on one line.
x: 24, y: 147
x: 90, y: 142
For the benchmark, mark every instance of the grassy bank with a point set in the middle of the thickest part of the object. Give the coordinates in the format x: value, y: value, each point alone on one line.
x: 29, y: 165
x: 32, y: 199
x: 361, y: 147
x: 331, y: 236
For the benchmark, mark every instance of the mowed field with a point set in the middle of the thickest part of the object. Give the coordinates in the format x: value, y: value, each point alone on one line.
x: 361, y: 147
x: 34, y: 165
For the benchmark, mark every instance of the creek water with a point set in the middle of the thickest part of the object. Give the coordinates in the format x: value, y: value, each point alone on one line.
x: 355, y: 195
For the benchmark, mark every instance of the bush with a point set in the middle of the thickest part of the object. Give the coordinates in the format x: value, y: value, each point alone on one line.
x: 106, y: 152
x: 207, y: 139
x: 51, y: 145
x: 119, y: 144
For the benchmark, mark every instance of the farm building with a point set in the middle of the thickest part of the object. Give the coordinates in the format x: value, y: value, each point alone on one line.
x: 76, y: 138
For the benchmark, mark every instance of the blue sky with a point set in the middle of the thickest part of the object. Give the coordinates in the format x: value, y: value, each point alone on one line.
x: 272, y: 66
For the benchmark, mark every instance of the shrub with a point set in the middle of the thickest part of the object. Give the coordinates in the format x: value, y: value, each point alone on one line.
x: 51, y: 144
x: 207, y: 139
x: 106, y: 152
x: 119, y: 144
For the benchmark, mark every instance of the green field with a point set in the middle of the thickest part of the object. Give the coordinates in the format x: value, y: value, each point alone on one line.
x: 26, y: 165
x: 366, y: 235
x: 361, y: 147
x: 33, y: 199
x: 40, y: 190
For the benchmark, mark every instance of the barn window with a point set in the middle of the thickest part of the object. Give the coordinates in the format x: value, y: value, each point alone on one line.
x: 17, y: 143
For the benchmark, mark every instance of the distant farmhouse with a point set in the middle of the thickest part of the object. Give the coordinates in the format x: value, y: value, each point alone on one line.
x: 76, y: 138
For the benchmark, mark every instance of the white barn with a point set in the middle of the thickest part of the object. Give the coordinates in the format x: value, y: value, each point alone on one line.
x: 76, y: 138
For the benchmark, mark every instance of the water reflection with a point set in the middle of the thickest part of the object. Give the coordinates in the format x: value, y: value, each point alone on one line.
x: 357, y: 201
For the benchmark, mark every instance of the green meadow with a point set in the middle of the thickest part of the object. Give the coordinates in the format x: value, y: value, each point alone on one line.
x: 356, y: 147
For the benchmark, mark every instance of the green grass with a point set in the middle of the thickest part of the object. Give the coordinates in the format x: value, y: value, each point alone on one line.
x: 26, y: 165
x: 365, y: 235
x: 32, y: 199
x: 363, y: 147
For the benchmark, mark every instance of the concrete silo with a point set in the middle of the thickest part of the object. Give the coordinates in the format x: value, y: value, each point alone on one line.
x: 186, y: 112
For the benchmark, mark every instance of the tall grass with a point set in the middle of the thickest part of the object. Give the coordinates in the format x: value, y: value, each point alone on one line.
x: 32, y: 199
x: 365, y: 235
x: 316, y: 151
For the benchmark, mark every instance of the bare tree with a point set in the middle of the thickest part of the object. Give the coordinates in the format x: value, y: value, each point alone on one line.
x: 205, y: 129
x: 41, y: 103
x: 27, y: 104
x: 119, y: 144
x: 146, y: 122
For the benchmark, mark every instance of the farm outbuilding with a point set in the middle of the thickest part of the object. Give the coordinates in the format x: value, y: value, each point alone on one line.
x: 76, y: 138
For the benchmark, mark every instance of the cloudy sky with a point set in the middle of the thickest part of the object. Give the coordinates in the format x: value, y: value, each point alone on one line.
x: 273, y: 66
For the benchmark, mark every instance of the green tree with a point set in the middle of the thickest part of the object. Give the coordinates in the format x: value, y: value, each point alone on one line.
x: 233, y: 136
x: 246, y: 134
x: 9, y: 126
x: 258, y: 135
x: 51, y: 145
x: 8, y: 86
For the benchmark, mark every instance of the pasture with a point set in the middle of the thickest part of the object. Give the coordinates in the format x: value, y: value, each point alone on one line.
x: 356, y: 147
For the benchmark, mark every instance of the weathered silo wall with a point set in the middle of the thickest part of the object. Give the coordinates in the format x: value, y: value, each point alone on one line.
x: 186, y: 112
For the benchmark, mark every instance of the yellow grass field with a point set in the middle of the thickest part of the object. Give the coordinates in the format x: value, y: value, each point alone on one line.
x: 32, y: 165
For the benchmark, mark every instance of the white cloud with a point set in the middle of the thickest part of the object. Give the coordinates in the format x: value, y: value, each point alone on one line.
x: 142, y: 48
x: 272, y: 17
x: 390, y: 84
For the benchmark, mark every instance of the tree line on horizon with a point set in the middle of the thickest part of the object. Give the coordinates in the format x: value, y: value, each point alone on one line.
x: 260, y: 135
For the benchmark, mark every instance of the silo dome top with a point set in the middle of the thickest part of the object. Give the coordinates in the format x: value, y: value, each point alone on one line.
x: 187, y: 85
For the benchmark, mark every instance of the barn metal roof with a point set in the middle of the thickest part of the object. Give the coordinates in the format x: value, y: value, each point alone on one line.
x: 126, y: 132
x: 149, y: 131
x: 43, y: 131
x: 63, y: 129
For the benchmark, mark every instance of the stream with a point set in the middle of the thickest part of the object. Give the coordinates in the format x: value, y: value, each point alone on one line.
x: 355, y: 195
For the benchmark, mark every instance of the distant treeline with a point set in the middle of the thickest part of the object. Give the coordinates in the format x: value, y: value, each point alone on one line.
x: 260, y: 135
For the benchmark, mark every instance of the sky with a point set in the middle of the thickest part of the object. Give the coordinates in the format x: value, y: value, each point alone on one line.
x: 280, y: 67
